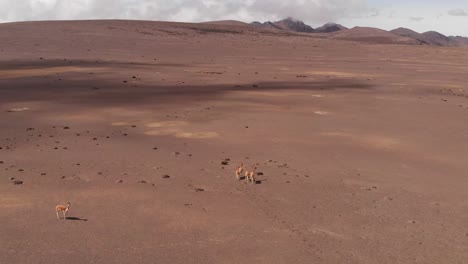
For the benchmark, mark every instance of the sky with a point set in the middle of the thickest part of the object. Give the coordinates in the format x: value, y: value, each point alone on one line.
x: 449, y: 17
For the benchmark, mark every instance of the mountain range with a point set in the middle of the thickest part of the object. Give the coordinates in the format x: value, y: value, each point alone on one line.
x: 367, y: 34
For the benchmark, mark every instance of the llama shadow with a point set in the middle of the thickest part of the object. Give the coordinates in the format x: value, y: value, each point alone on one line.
x: 76, y: 219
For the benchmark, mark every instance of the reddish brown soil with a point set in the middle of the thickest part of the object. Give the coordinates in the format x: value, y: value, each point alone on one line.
x: 363, y: 148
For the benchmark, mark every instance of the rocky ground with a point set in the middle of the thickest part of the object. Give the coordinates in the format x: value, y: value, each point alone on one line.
x: 361, y: 149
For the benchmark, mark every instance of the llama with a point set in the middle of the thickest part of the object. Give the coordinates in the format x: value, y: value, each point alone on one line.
x: 252, y: 176
x: 64, y: 209
x: 239, y: 171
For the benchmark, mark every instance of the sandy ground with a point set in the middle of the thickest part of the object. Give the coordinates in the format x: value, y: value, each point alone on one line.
x: 363, y: 148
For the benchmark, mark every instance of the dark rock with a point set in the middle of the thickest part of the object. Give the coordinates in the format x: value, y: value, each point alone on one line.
x: 12, y: 178
x: 143, y: 182
x: 20, y: 170
x: 224, y: 162
x: 17, y: 182
x: 43, y: 174
x: 259, y: 173
x: 166, y: 176
x: 66, y: 127
x: 199, y: 190
x: 119, y: 181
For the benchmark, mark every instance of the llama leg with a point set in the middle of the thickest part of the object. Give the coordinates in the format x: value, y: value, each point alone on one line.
x: 58, y: 217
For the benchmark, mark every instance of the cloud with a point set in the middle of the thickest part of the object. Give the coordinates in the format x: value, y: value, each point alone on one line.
x: 457, y: 12
x: 417, y: 19
x: 181, y: 10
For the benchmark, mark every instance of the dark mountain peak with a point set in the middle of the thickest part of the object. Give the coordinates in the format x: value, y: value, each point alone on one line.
x: 289, y: 24
x: 293, y: 24
x: 330, y: 27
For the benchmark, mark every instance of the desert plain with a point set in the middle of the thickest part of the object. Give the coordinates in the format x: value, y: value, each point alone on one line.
x: 361, y: 148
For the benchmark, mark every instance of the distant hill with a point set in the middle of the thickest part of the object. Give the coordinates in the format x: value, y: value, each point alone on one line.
x: 406, y: 32
x: 226, y: 23
x: 459, y: 41
x: 330, y: 27
x: 435, y: 38
x: 432, y: 38
x: 373, y: 35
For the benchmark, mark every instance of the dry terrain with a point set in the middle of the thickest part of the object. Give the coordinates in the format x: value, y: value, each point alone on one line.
x: 362, y: 148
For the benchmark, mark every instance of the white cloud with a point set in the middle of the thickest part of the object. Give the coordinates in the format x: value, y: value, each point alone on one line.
x: 417, y: 19
x: 181, y: 10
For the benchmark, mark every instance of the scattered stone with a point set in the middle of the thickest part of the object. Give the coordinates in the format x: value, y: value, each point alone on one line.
x: 43, y: 174
x: 19, y: 109
x: 20, y: 170
x: 176, y: 153
x: 199, y: 190
x: 119, y: 181
x: 259, y: 173
x: 99, y: 173
x: 29, y: 129
x: 125, y: 135
x: 66, y: 127
x: 255, y: 86
x: 155, y: 148
x: 63, y: 177
x: 1, y: 162
x: 287, y: 182
x: 12, y: 178
x: 17, y: 182
x: 134, y: 126
x: 225, y: 162
x: 142, y: 182
x: 166, y: 176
